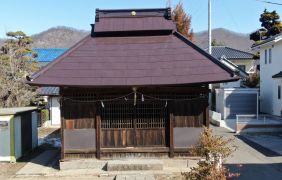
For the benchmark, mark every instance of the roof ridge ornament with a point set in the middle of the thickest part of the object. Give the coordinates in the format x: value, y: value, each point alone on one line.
x: 168, y: 13
x: 97, y: 15
x: 133, y: 13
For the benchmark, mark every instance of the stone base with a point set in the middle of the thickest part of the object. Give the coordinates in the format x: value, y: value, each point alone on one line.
x: 83, y: 164
x: 134, y: 165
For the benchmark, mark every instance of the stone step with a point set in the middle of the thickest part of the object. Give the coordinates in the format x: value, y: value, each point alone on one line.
x: 135, y: 177
x: 82, y: 164
x: 134, y: 165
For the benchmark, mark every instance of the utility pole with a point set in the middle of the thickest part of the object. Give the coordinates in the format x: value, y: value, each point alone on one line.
x: 209, y: 28
x: 210, y: 52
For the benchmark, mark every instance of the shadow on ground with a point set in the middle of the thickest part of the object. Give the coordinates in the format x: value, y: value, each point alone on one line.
x: 256, y: 171
x: 265, y: 151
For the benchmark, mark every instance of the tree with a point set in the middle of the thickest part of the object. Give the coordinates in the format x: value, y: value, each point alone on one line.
x: 183, y: 21
x: 271, y: 25
x: 216, y: 43
x: 16, y: 61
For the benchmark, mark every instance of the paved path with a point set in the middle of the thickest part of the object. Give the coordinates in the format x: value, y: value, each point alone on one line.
x: 249, y: 162
x: 40, y: 165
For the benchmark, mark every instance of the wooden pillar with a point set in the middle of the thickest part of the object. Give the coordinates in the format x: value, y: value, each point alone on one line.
x: 171, y: 142
x: 98, y: 136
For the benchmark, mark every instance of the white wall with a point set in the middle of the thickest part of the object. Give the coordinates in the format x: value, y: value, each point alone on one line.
x: 55, y: 111
x: 269, y: 103
x: 18, y: 136
x: 5, y: 140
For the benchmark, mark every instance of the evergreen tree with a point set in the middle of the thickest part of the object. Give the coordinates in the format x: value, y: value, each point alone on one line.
x: 271, y: 25
x: 16, y: 61
x: 183, y: 21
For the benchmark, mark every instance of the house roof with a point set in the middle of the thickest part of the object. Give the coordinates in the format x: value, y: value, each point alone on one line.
x: 278, y: 75
x: 49, y: 91
x: 275, y: 38
x: 133, y: 60
x: 48, y: 54
x: 230, y: 53
x: 16, y: 110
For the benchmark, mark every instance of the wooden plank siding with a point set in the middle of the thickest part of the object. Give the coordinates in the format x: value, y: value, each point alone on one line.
x: 120, y: 124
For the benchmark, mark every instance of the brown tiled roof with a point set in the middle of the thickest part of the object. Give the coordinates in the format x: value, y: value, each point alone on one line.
x: 134, y: 60
x: 146, y: 60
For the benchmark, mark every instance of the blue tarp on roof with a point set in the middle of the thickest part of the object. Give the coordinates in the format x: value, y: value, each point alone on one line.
x: 48, y: 54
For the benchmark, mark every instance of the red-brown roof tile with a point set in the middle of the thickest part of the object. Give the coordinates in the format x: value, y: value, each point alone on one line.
x: 128, y: 61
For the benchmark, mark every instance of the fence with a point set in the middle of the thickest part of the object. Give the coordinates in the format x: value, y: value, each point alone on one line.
x: 257, y: 121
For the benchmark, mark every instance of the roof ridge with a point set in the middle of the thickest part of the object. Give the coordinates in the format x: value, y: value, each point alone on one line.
x: 238, y: 50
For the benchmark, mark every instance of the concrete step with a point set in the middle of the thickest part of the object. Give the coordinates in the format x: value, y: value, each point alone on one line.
x: 134, y: 165
x: 135, y: 177
x: 83, y: 164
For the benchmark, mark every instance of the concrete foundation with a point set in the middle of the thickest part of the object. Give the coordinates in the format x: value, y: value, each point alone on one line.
x: 134, y: 165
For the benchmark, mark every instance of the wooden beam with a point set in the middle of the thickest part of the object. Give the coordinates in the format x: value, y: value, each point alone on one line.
x: 171, y: 142
x: 98, y: 136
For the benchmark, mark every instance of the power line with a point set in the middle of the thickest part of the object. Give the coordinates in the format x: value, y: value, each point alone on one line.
x: 269, y: 2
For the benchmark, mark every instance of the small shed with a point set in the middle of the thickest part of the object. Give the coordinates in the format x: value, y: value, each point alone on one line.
x: 233, y: 101
x: 18, y: 132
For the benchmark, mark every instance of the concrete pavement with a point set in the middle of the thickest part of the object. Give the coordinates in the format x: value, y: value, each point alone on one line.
x: 249, y: 162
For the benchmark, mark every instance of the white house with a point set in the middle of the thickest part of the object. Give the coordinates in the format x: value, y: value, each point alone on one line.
x: 51, y: 96
x: 237, y: 60
x: 270, y: 75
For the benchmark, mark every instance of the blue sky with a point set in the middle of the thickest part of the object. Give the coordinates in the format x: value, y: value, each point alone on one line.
x: 34, y: 16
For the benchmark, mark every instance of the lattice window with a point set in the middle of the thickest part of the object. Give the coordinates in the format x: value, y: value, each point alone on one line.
x: 126, y: 115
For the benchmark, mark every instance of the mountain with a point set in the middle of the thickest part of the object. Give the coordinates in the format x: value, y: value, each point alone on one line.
x: 225, y: 37
x: 58, y: 37
x: 65, y: 37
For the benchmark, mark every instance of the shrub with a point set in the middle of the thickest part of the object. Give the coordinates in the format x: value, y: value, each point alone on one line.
x: 44, y: 115
x: 213, y: 149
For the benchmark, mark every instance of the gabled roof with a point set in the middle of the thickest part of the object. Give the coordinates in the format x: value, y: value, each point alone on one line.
x: 48, y: 54
x: 133, y: 59
x: 272, y: 39
x: 230, y: 53
x: 278, y: 75
x: 49, y: 91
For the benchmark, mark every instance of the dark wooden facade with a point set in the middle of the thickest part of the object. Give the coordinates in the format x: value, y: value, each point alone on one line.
x: 119, y: 128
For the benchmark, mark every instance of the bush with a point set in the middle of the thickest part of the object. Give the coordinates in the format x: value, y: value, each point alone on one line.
x: 253, y: 81
x: 213, y: 149
x: 44, y: 115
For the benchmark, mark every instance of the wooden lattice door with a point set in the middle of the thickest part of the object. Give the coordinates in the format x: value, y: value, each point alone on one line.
x: 126, y: 125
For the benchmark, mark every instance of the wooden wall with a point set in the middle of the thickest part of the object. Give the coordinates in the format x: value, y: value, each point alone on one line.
x: 80, y: 111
